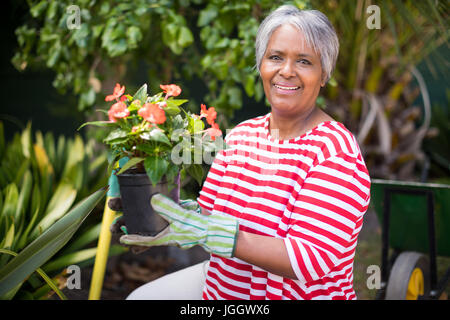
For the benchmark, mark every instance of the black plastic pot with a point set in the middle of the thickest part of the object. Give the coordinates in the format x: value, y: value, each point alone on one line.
x: 136, y: 190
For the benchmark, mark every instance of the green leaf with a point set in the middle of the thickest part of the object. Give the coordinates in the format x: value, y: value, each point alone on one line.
x: 115, y: 136
x: 24, y: 196
x: 178, y: 123
x: 98, y: 124
x: 185, y: 37
x: 52, y: 10
x: 24, y: 166
x: 38, y: 9
x: 79, y: 257
x: 45, y: 246
x: 250, y: 85
x: 235, y: 97
x: 49, y: 144
x: 141, y: 94
x: 158, y: 135
x: 40, y: 272
x: 134, y: 35
x: 171, y: 108
x: 9, y: 238
x: 87, y: 98
x: 155, y: 135
x: 171, y: 174
x: 207, y: 15
x: 196, y: 125
x: 61, y: 201
x: 176, y: 102
x: 170, y: 36
x: 11, y: 199
x: 117, y: 47
x: 196, y: 171
x: 155, y: 167
x: 69, y: 259
x: 130, y: 163
x: 146, y: 148
x: 35, y: 207
x: 61, y: 151
x: 54, y: 56
x: 85, y: 238
x: 76, y: 154
x: 135, y: 105
x: 27, y: 145
x: 223, y: 43
x: 169, y: 32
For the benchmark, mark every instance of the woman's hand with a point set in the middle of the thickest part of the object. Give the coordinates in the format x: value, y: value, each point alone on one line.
x: 187, y: 228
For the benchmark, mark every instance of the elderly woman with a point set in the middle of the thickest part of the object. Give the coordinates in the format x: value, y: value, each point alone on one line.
x: 282, y: 206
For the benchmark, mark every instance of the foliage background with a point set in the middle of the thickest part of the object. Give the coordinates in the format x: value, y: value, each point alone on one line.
x: 207, y: 46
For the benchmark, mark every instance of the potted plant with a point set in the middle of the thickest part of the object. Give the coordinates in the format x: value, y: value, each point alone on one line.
x: 158, y: 139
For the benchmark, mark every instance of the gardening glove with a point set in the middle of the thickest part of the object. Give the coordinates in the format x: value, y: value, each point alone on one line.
x: 114, y: 200
x: 115, y: 204
x: 215, y: 233
x: 118, y: 225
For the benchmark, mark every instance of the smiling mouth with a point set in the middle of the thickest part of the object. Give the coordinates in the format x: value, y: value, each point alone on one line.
x: 285, y: 87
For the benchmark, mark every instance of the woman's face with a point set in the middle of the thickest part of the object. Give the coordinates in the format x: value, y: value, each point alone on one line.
x: 291, y: 72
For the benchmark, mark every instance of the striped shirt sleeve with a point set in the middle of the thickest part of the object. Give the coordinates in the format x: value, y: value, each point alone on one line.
x: 326, y: 216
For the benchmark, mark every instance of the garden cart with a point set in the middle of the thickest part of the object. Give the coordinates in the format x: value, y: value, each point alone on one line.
x: 415, y: 220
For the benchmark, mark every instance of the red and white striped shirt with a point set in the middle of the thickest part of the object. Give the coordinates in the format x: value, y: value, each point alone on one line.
x: 312, y: 191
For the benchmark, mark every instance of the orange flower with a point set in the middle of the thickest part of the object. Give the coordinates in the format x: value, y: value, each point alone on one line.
x: 118, y: 91
x: 117, y: 111
x: 152, y: 113
x: 214, y: 131
x: 210, y: 114
x: 170, y: 90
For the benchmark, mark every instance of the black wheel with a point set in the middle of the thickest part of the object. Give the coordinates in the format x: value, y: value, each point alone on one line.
x: 409, y: 277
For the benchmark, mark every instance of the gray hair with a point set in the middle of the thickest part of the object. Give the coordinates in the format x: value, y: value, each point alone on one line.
x: 316, y: 28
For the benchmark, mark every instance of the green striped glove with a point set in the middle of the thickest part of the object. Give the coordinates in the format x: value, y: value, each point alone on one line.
x: 215, y: 233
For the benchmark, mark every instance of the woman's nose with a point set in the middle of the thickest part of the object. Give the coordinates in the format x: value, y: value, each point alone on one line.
x: 287, y: 69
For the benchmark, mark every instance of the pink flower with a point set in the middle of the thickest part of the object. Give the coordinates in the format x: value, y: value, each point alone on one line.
x: 117, y: 111
x: 214, y: 131
x: 118, y: 91
x: 170, y: 90
x: 210, y: 114
x: 152, y: 113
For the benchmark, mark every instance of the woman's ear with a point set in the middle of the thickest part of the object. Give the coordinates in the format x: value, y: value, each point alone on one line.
x: 323, y: 81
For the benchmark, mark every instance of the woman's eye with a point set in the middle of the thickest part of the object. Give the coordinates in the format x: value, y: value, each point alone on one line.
x: 304, y: 61
x: 274, y: 58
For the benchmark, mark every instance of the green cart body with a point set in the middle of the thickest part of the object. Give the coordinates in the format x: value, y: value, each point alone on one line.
x: 415, y: 218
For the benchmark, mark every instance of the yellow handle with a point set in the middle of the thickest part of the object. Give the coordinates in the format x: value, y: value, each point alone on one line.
x: 101, y: 258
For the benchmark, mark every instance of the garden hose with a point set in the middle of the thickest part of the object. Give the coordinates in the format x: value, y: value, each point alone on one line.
x: 104, y: 240
x: 101, y: 257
